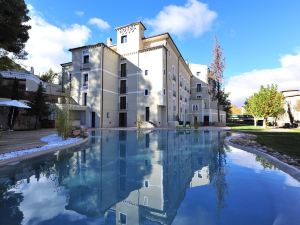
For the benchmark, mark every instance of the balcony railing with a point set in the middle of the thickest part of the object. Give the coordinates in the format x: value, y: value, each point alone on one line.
x: 85, y: 65
x: 123, y: 73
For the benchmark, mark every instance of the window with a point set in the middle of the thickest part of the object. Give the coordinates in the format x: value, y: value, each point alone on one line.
x: 195, y: 107
x: 123, y: 70
x: 123, y: 39
x: 198, y: 74
x: 164, y: 91
x: 123, y: 150
x: 198, y: 96
x: 86, y: 59
x: 146, y: 201
x: 199, y: 87
x: 146, y: 183
x: 123, y: 168
x: 146, y: 72
x: 146, y: 92
x: 123, y: 87
x: 70, y: 76
x: 147, y: 139
x: 84, y: 99
x: 123, y: 102
x: 107, y: 115
x: 85, y: 79
x: 123, y: 218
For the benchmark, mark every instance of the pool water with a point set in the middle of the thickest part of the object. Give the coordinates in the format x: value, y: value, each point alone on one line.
x: 145, y: 178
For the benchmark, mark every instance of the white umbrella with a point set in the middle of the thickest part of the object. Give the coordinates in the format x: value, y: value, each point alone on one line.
x: 14, y: 103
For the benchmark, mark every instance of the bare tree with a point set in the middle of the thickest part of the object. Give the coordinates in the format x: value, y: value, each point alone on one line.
x: 215, y: 74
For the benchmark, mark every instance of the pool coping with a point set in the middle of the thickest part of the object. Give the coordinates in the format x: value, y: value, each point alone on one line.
x: 15, y: 160
x: 289, y: 169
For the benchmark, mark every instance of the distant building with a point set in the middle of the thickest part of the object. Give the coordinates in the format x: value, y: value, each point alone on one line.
x: 27, y: 84
x: 138, y: 79
x: 291, y: 99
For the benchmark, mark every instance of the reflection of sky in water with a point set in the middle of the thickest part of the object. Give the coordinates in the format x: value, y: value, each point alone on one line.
x: 155, y: 178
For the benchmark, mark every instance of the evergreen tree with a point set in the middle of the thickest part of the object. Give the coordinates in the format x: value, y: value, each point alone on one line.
x: 13, y: 27
x: 39, y: 107
x: 49, y: 76
x: 225, y: 102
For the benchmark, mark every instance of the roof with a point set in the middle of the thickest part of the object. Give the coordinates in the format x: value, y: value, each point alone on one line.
x: 130, y: 24
x: 66, y: 64
x: 289, y: 90
x: 87, y: 46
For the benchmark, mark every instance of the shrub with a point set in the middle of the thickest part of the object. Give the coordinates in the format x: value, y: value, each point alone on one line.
x: 63, y: 125
x: 139, y: 123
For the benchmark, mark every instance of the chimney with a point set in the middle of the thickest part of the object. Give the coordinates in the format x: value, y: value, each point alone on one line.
x: 32, y: 70
x: 109, y: 42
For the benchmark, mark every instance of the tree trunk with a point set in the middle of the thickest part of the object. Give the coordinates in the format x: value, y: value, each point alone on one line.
x: 265, y: 122
x: 255, y: 121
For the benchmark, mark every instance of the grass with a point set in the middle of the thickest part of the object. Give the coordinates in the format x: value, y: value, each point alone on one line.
x: 285, y: 141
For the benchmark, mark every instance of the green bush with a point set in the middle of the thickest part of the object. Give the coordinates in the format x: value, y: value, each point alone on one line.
x: 63, y: 125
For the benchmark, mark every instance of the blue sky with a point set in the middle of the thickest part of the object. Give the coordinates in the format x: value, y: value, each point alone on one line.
x: 255, y: 35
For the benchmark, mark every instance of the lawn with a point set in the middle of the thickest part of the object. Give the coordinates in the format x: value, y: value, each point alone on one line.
x: 285, y: 141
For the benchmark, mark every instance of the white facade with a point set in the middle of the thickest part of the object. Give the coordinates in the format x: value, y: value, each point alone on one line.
x: 292, y: 98
x: 138, y: 79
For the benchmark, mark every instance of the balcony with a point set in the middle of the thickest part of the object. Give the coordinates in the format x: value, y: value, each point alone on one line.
x: 85, y: 66
x: 123, y: 73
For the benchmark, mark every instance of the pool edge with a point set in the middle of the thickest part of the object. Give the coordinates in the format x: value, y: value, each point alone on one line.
x: 289, y: 169
x: 40, y: 153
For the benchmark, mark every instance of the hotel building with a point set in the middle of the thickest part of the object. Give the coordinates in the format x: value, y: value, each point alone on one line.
x: 137, y: 79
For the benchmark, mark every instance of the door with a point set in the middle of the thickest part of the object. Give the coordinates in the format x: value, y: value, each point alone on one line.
x: 206, y: 120
x: 195, y: 120
x: 123, y: 119
x: 93, y: 119
x: 147, y: 114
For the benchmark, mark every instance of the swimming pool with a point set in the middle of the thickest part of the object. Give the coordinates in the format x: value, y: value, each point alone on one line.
x: 150, y: 177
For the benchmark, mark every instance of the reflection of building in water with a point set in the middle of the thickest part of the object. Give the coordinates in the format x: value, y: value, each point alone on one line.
x: 179, y: 161
x: 104, y: 173
x: 127, y: 177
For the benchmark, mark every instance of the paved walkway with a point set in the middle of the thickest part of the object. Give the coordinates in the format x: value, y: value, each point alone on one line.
x: 19, y: 140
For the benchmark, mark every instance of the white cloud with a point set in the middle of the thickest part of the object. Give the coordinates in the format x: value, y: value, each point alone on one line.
x: 287, y: 76
x: 48, y: 44
x: 100, y: 23
x: 193, y: 18
x: 79, y: 13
